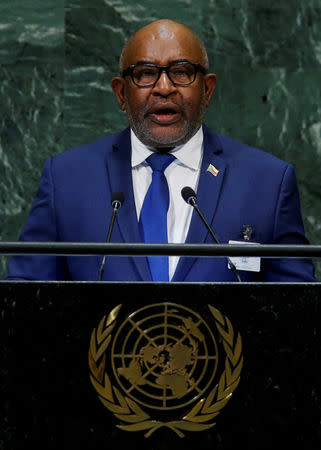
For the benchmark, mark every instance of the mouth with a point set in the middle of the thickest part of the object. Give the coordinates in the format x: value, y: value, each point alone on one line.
x: 165, y: 113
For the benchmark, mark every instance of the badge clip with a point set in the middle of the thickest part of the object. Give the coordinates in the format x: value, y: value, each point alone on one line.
x: 247, y: 232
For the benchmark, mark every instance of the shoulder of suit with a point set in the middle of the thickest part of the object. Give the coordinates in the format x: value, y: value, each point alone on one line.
x: 234, y: 151
x: 98, y: 148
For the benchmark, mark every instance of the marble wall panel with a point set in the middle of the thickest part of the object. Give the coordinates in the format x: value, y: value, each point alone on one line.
x: 57, y: 59
x: 31, y: 107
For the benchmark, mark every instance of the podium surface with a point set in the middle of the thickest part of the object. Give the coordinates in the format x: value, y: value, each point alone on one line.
x: 48, y: 397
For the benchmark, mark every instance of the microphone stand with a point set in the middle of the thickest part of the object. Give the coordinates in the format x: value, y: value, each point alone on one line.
x: 116, y: 204
x: 191, y: 199
x: 232, y: 266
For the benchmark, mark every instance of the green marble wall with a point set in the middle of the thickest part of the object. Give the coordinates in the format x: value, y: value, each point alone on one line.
x: 57, y: 58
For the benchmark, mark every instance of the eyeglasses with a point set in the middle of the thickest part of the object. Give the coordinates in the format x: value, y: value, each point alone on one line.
x: 181, y: 73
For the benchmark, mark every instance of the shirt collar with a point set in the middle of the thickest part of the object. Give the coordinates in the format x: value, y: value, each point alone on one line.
x: 189, y: 154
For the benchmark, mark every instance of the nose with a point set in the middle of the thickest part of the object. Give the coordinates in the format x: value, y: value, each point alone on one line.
x: 164, y: 86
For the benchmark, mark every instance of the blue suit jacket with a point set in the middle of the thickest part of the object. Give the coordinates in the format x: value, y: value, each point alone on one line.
x: 73, y: 205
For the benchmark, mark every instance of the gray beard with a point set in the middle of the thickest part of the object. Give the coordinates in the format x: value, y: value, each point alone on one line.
x: 145, y: 136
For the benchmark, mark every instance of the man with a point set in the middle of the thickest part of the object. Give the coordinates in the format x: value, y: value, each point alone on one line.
x: 244, y: 193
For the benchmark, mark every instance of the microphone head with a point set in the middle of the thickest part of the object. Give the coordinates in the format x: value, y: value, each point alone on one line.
x: 117, y: 197
x: 189, y: 195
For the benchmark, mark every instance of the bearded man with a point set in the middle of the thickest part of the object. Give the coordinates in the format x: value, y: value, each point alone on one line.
x: 245, y: 194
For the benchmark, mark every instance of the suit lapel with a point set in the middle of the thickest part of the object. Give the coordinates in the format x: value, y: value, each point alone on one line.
x: 120, y: 176
x: 209, y: 188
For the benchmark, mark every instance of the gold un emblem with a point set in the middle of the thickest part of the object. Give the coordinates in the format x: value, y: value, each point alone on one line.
x: 162, y: 367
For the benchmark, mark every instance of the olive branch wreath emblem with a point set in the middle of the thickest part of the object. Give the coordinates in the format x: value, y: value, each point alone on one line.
x: 128, y: 411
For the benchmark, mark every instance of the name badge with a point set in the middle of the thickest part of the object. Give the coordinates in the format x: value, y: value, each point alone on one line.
x: 249, y: 263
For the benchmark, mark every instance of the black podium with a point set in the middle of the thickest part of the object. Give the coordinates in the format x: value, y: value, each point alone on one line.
x: 49, y: 401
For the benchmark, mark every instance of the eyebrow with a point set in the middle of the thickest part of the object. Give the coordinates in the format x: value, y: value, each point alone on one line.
x: 172, y: 62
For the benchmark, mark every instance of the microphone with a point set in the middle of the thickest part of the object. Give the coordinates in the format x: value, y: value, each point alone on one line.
x: 189, y: 196
x: 117, y: 199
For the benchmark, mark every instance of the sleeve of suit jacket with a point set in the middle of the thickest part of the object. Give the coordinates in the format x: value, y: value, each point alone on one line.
x: 288, y: 229
x: 40, y: 226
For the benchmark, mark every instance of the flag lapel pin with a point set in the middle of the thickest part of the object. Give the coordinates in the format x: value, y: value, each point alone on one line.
x: 213, y: 170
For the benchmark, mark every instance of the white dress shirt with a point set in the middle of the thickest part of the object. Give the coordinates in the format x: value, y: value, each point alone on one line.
x: 183, y: 171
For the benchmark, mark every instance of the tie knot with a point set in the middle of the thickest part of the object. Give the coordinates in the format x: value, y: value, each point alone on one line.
x: 159, y: 161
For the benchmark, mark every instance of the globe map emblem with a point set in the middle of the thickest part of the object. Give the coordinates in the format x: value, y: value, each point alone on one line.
x: 164, y: 356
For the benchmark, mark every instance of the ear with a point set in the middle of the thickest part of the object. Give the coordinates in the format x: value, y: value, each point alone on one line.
x: 118, y: 86
x: 210, y: 83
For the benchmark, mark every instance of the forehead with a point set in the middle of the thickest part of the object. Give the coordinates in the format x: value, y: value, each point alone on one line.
x: 163, y: 45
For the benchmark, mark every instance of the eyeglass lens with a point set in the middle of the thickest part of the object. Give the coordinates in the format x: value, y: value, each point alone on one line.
x: 178, y: 73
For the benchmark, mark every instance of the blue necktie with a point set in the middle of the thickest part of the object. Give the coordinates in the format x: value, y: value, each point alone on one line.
x: 153, y: 216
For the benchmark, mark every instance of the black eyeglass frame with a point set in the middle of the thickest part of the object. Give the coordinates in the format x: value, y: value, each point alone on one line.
x: 130, y: 69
